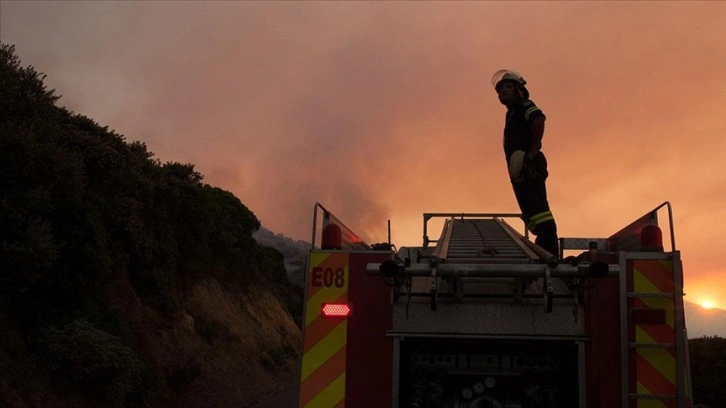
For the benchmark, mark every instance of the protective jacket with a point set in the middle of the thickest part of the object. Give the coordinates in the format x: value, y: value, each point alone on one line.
x: 518, y: 126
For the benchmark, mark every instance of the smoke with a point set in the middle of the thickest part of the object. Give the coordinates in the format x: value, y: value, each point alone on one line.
x: 384, y: 110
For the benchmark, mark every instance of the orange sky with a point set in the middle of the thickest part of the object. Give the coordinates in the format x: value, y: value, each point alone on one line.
x: 384, y: 110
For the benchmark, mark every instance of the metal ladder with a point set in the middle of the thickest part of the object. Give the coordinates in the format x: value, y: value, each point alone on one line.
x: 477, y: 241
x: 482, y: 241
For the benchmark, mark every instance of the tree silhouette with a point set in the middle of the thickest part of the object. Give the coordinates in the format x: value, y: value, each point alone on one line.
x: 708, y: 370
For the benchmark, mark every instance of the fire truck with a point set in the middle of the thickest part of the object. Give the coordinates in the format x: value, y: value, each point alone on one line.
x: 481, y: 317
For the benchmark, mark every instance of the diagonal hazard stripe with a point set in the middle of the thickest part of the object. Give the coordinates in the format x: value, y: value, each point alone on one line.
x: 654, y: 334
x: 331, y: 396
x: 322, y: 377
x: 643, y: 284
x: 320, y: 327
x: 654, y: 403
x: 656, y: 369
x: 317, y: 331
x: 651, y: 403
x: 655, y: 276
x: 325, y: 349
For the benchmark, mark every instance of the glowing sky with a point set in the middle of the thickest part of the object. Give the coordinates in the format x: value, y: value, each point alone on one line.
x: 384, y: 110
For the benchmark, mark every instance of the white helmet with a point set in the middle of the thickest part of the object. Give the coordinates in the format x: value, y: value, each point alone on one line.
x: 508, y: 75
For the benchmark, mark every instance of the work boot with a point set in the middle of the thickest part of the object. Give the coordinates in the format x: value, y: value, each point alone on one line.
x: 549, y: 244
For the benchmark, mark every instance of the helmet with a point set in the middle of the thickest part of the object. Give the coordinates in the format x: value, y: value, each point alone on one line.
x: 504, y: 75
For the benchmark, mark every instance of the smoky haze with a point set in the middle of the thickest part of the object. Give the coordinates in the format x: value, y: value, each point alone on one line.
x: 384, y: 110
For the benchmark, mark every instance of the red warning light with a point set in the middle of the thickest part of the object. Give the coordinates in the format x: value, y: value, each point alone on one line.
x: 332, y: 237
x: 651, y: 238
x: 336, y: 309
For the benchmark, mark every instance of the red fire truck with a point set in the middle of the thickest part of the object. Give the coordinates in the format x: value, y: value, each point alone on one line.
x: 482, y: 317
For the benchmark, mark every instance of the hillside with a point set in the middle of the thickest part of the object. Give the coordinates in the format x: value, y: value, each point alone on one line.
x: 127, y: 282
x: 295, y: 252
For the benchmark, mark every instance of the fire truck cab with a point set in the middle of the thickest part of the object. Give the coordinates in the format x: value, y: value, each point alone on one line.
x: 481, y: 317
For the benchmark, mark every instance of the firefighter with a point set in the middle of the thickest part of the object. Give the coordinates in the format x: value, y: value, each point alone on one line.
x: 523, y: 131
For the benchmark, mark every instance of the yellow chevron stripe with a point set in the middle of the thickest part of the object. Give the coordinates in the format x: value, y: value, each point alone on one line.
x: 641, y: 336
x: 662, y: 361
x: 321, y: 352
x: 317, y: 258
x: 642, y: 389
x: 645, y: 403
x: 330, y: 396
x: 642, y: 284
x: 666, y: 265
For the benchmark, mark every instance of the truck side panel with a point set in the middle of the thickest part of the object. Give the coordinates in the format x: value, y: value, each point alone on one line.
x: 346, y: 361
x: 603, y: 350
x: 323, y: 371
x: 369, y: 349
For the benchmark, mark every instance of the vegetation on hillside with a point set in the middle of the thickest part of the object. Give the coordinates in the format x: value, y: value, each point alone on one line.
x: 708, y: 370
x: 111, y: 260
x: 295, y: 252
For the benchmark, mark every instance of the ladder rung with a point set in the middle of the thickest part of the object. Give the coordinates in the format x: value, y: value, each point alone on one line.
x: 649, y: 295
x: 490, y: 280
x: 652, y: 345
x: 490, y: 260
x: 661, y: 397
x: 479, y: 252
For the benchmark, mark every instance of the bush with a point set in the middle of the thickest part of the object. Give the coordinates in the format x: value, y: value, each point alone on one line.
x: 183, y: 374
x: 211, y: 329
x: 708, y: 370
x: 86, y: 356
